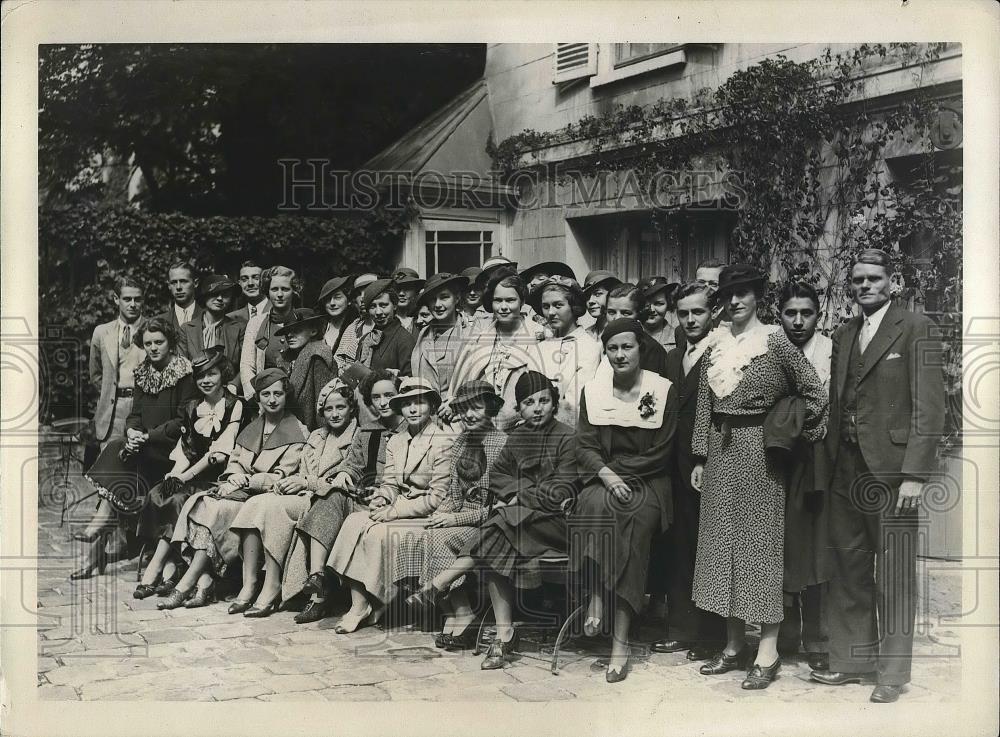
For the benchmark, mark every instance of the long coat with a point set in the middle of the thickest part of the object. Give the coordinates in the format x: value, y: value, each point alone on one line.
x: 229, y: 333
x: 394, y: 349
x: 105, y: 354
x: 740, y: 563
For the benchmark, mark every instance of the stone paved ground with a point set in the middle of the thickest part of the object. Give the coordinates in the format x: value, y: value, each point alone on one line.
x: 97, y: 642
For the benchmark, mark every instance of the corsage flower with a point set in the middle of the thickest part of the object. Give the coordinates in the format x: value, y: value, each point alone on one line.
x: 647, y: 405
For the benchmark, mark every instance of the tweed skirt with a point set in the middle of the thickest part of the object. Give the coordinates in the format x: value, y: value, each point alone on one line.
x: 274, y: 517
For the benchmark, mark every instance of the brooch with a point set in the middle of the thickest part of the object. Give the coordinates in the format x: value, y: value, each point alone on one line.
x: 647, y: 406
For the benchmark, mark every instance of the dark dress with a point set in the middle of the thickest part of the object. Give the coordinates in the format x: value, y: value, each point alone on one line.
x: 610, y: 538
x: 308, y: 372
x: 159, y: 395
x: 531, y: 478
x: 198, y: 438
x: 388, y: 348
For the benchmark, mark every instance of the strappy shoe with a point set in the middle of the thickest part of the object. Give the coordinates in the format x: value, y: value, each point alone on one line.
x: 500, y: 652
x: 427, y: 597
x: 761, y: 676
x: 259, y: 612
x: 202, y: 597
x: 175, y: 599
x: 314, y: 611
x: 169, y: 584
x: 615, y: 675
x: 466, y: 640
x: 723, y: 663
x: 144, y: 591
x: 317, y: 583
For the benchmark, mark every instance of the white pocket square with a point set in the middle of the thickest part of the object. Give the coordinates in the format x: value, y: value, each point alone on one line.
x: 892, y: 356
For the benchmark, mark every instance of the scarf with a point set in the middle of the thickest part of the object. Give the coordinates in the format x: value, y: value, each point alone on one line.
x: 152, y: 381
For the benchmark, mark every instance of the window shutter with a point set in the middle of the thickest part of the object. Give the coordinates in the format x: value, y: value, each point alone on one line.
x: 575, y: 61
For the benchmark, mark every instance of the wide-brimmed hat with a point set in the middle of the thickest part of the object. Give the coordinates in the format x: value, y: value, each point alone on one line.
x: 301, y: 316
x: 360, y: 282
x: 337, y: 283
x: 455, y: 282
x: 737, y: 275
x: 375, y: 289
x: 476, y: 389
x: 266, y: 377
x: 408, y: 278
x: 491, y: 266
x: 208, y: 360
x: 412, y: 386
x: 660, y: 285
x: 471, y: 273
x: 599, y: 278
x: 535, y: 296
x: 552, y: 268
x: 216, y: 284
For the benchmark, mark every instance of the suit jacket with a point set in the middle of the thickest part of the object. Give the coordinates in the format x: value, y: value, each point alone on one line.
x: 230, y: 332
x: 264, y: 462
x: 170, y: 316
x: 687, y: 406
x: 417, y: 471
x: 900, y: 397
x: 104, y: 352
x: 243, y: 313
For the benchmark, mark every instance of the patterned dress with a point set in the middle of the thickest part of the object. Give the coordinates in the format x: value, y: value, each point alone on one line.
x: 206, y: 429
x: 426, y: 553
x: 739, y: 564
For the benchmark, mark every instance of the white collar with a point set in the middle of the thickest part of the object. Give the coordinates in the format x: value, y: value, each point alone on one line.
x: 695, y: 351
x: 875, y: 319
x: 604, y: 409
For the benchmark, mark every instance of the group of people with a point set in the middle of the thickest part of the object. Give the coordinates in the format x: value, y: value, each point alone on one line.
x: 431, y: 439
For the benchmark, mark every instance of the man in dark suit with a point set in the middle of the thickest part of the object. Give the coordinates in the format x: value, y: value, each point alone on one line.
x: 699, y: 632
x: 887, y: 410
x: 183, y: 282
x: 213, y: 327
x: 256, y: 301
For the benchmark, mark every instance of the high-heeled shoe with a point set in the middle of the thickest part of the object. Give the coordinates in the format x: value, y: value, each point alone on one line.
x: 92, y: 569
x: 441, y: 640
x: 466, y: 640
x: 317, y: 583
x: 169, y: 584
x: 314, y: 611
x: 500, y: 652
x: 426, y: 597
x: 349, y: 624
x: 239, y: 606
x: 202, y: 597
x: 144, y: 591
x: 761, y: 676
x: 615, y: 675
x: 592, y: 626
x: 175, y: 599
x: 259, y: 612
x: 723, y: 663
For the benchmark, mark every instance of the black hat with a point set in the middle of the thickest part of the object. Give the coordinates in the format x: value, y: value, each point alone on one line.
x: 301, y: 316
x: 597, y: 279
x: 535, y: 296
x: 212, y: 357
x: 477, y: 389
x: 337, y: 283
x: 266, y: 377
x: 659, y: 285
x: 408, y: 278
x: 622, y: 325
x: 375, y: 289
x: 739, y: 275
x: 531, y: 382
x: 552, y: 268
x: 471, y: 273
x: 438, y: 281
x: 216, y: 284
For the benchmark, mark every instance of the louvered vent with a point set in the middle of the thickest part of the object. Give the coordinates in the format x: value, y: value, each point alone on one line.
x: 574, y: 61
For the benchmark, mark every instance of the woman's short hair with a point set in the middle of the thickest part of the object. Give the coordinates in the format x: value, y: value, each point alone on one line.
x: 632, y: 292
x: 374, y: 377
x: 268, y: 274
x: 157, y: 325
x: 573, y: 296
x: 508, y: 281
x: 798, y: 290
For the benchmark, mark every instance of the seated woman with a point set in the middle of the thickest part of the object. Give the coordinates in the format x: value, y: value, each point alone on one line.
x: 502, y: 351
x: 129, y: 467
x: 351, y: 480
x: 267, y: 450
x: 534, y: 478
x: 624, y: 436
x: 208, y: 435
x: 417, y: 464
x: 570, y: 355
x: 308, y: 361
x: 455, y: 523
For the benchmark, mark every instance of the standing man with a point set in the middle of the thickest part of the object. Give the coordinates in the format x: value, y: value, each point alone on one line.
x: 183, y: 282
x: 113, y: 357
x: 699, y: 632
x: 887, y: 411
x: 256, y: 301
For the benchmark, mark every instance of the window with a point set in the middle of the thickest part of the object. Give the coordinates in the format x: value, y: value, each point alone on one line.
x: 632, y: 53
x: 455, y: 250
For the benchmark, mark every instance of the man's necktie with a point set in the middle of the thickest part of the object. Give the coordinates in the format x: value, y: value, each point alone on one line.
x: 126, y: 337
x: 866, y: 335
x: 688, y: 361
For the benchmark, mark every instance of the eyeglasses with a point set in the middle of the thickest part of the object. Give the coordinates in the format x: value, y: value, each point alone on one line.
x: 706, y: 283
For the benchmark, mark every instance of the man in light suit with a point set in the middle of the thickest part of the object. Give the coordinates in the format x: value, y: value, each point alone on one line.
x: 183, y: 282
x: 699, y: 632
x: 887, y: 411
x: 113, y: 357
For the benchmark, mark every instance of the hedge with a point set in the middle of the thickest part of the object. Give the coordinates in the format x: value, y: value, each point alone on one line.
x: 84, y: 248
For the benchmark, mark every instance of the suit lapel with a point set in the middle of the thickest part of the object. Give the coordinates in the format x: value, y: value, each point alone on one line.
x: 887, y: 333
x: 418, y: 449
x: 111, y: 345
x: 850, y: 337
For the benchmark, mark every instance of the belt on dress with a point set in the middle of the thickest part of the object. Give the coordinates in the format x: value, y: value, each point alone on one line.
x: 725, y: 423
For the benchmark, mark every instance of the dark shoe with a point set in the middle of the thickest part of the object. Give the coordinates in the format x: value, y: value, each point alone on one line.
x: 669, y: 646
x: 314, y: 611
x: 464, y: 641
x: 265, y: 611
x: 760, y: 676
x: 175, y: 599
x: 700, y: 652
x: 818, y: 661
x: 500, y: 652
x: 723, y: 663
x: 836, y: 678
x: 317, y: 583
x: 239, y: 607
x: 614, y: 676
x: 441, y: 640
x: 885, y: 694
x: 202, y: 597
x: 144, y: 591
x: 90, y: 570
x: 88, y: 537
x: 169, y: 584
x: 427, y: 597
